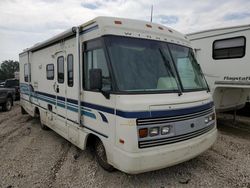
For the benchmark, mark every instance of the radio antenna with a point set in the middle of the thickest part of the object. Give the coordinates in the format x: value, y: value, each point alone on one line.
x: 151, y: 18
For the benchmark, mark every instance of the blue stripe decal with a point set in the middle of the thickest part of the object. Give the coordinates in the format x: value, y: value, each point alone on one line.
x: 103, y: 117
x: 88, y: 114
x: 164, y: 113
x: 134, y: 114
x: 98, y: 107
x: 71, y: 120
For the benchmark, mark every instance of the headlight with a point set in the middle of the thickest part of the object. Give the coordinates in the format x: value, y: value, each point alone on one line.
x: 165, y: 130
x: 154, y: 131
x: 210, y: 118
x: 206, y: 120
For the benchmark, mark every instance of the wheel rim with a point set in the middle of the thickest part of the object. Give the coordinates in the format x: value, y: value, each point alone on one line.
x: 8, y: 105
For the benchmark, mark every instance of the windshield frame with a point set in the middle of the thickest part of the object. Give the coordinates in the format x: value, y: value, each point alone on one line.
x: 114, y: 88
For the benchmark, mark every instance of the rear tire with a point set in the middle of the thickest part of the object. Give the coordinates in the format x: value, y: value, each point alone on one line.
x: 101, y: 156
x: 43, y: 126
x: 8, y: 104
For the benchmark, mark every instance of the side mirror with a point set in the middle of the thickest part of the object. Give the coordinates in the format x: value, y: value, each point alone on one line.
x: 95, y: 79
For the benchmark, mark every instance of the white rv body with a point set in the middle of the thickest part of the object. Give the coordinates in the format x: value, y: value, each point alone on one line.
x: 228, y: 77
x: 117, y: 119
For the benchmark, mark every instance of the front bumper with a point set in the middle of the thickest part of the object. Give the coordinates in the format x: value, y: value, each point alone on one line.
x: 164, y: 156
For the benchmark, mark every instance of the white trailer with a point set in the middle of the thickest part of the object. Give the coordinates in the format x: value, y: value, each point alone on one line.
x: 130, y: 89
x: 225, y: 60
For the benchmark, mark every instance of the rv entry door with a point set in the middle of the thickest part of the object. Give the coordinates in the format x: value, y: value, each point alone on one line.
x: 60, y: 93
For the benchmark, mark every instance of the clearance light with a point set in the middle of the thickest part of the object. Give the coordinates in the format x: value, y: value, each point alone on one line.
x: 118, y: 22
x: 154, y: 131
x: 170, y: 30
x: 143, y: 133
x: 148, y: 25
x: 121, y: 141
x: 161, y: 28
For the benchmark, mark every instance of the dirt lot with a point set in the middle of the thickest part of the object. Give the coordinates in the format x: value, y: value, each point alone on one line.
x: 31, y: 157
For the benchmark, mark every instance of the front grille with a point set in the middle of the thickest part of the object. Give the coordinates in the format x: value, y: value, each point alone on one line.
x: 163, y: 120
x: 174, y: 139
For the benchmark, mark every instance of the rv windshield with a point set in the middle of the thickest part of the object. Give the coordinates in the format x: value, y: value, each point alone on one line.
x: 189, y: 71
x: 141, y: 65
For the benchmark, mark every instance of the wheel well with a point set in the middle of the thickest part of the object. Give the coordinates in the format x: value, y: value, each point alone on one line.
x: 91, y: 140
x: 37, y: 112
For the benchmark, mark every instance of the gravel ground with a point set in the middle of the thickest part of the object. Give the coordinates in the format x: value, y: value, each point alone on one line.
x: 31, y: 157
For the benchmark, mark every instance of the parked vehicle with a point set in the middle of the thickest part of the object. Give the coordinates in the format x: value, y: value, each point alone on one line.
x: 130, y: 89
x: 7, y: 96
x: 13, y: 83
x: 224, y: 57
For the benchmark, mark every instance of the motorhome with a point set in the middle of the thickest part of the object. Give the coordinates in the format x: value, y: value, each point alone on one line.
x: 225, y: 60
x: 130, y: 89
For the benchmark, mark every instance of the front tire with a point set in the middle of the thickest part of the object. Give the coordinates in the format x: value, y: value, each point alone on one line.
x: 101, y: 156
x: 43, y: 127
x: 7, y: 105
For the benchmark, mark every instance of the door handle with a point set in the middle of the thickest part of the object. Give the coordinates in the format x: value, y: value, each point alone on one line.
x: 57, y: 89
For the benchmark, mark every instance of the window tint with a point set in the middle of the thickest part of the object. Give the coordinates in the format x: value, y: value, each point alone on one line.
x: 60, y: 69
x: 229, y: 48
x: 96, y: 59
x: 70, y: 66
x: 50, y: 71
x: 26, y: 72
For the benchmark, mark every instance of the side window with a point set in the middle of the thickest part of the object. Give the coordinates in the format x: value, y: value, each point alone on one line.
x: 70, y: 67
x: 229, y: 48
x: 96, y: 59
x: 26, y: 72
x: 60, y: 69
x: 50, y: 71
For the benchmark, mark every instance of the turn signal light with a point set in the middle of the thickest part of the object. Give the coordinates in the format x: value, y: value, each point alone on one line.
x: 143, y: 133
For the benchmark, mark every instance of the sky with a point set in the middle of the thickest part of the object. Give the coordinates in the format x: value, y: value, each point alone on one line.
x: 24, y: 23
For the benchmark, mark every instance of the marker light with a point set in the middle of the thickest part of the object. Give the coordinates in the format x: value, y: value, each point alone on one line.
x: 165, y: 130
x: 118, y: 22
x: 121, y: 141
x: 161, y: 28
x: 148, y: 25
x: 143, y: 133
x: 154, y: 131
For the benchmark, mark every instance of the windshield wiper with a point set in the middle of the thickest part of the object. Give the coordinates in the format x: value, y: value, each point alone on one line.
x: 166, y: 63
